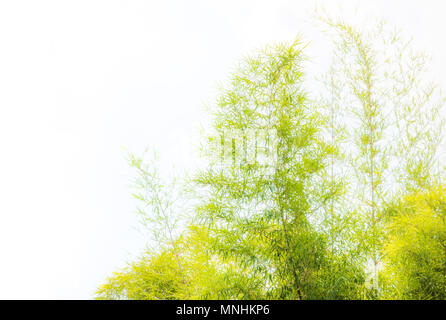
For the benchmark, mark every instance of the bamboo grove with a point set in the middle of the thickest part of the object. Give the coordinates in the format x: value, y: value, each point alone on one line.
x: 333, y: 194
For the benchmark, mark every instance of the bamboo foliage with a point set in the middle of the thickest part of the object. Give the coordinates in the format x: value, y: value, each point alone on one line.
x: 338, y: 197
x: 263, y: 208
x: 392, y: 115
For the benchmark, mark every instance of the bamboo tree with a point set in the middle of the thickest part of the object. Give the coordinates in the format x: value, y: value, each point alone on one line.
x: 261, y: 205
x: 393, y: 116
x: 161, y: 206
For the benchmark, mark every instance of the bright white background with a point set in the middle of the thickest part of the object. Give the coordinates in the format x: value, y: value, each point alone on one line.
x: 79, y: 80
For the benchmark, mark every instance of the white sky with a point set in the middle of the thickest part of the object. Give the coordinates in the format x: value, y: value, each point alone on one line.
x: 79, y: 80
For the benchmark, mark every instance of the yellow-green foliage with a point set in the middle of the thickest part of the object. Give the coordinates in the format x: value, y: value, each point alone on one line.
x: 174, y: 273
x: 415, y: 250
x: 201, y: 275
x: 152, y: 277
